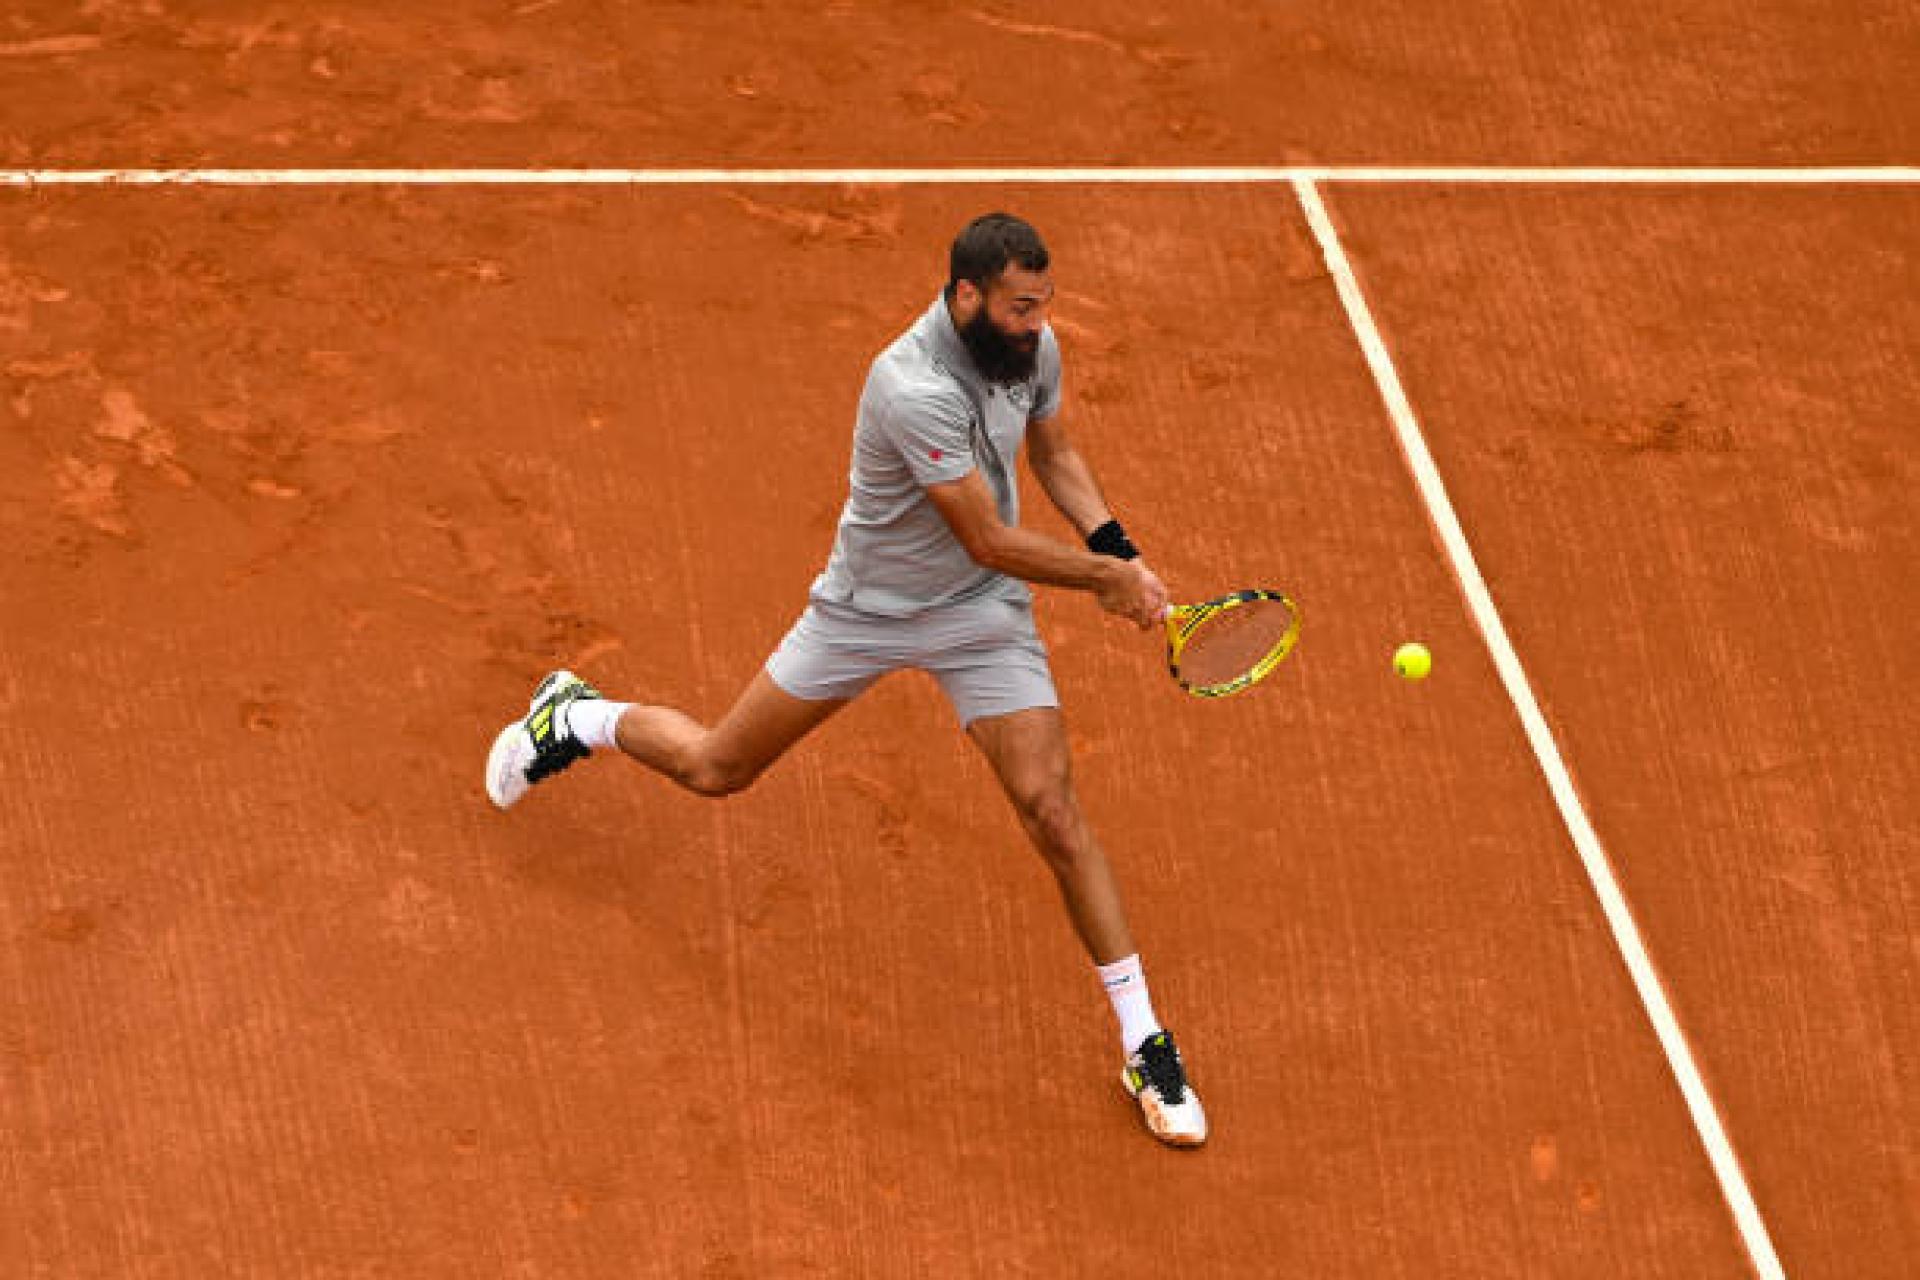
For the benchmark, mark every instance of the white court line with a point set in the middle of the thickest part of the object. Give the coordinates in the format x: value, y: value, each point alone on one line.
x: 1626, y: 935
x: 1188, y: 176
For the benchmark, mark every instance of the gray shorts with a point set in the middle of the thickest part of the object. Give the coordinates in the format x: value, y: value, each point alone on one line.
x: 985, y: 653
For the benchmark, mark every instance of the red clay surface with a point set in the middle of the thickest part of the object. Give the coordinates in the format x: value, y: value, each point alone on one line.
x: 835, y: 83
x: 301, y: 490
x: 308, y: 487
x: 1680, y: 427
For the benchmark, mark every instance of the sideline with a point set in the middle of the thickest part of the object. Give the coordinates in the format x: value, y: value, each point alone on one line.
x: 1626, y: 934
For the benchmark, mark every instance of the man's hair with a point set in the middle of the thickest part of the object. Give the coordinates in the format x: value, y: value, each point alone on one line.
x: 982, y: 251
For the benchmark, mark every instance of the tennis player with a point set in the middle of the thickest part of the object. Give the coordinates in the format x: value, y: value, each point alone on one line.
x: 930, y: 570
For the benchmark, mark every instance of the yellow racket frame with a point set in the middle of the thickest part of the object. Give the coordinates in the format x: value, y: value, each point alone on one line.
x: 1182, y: 620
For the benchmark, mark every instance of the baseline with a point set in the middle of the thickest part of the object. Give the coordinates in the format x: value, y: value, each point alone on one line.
x: 1201, y: 175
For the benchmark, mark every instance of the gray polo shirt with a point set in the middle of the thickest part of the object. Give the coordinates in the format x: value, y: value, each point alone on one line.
x: 926, y: 417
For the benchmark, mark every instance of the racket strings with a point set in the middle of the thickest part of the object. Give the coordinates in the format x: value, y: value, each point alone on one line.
x: 1230, y: 643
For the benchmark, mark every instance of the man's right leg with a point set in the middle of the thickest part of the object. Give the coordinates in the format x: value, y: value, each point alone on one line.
x: 757, y: 730
x: 568, y: 717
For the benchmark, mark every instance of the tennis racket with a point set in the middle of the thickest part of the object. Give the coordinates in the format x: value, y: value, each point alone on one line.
x: 1225, y: 645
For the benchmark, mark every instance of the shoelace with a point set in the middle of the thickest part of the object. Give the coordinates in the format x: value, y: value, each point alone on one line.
x: 1160, y: 1063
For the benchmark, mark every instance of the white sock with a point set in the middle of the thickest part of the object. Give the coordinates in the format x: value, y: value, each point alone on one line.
x: 593, y: 721
x: 1127, y: 987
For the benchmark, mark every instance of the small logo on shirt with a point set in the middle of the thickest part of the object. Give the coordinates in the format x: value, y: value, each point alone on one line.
x: 935, y: 454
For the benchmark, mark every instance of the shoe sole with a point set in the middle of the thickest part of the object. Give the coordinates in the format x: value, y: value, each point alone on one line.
x: 498, y: 762
x: 1180, y: 1140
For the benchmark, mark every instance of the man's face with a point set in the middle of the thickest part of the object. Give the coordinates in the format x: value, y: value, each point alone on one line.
x: 1001, y: 326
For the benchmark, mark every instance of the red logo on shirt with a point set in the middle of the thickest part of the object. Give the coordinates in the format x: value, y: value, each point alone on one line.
x: 934, y: 454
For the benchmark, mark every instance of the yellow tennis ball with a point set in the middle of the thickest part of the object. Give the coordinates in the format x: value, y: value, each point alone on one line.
x: 1412, y: 661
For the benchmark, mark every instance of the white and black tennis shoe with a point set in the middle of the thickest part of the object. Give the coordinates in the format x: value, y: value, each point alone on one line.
x: 1157, y: 1080
x: 540, y: 745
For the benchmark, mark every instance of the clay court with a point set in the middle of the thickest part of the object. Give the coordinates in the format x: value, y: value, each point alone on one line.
x: 1594, y: 955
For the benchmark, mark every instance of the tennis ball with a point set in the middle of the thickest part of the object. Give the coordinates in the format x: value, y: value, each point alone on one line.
x: 1412, y: 661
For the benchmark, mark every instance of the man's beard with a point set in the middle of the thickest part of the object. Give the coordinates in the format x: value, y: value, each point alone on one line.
x: 1001, y: 357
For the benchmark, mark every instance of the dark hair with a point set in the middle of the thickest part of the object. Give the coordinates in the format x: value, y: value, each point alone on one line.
x: 990, y: 242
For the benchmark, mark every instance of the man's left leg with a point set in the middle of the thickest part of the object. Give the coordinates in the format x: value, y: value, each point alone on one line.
x: 1028, y: 752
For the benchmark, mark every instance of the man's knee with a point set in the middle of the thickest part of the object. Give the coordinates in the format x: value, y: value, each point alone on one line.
x: 1051, y: 810
x: 709, y: 776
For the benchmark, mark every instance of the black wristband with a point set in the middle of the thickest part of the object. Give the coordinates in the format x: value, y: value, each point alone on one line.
x: 1111, y: 540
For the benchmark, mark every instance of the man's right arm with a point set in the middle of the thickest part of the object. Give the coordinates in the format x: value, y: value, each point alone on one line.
x: 1123, y: 587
